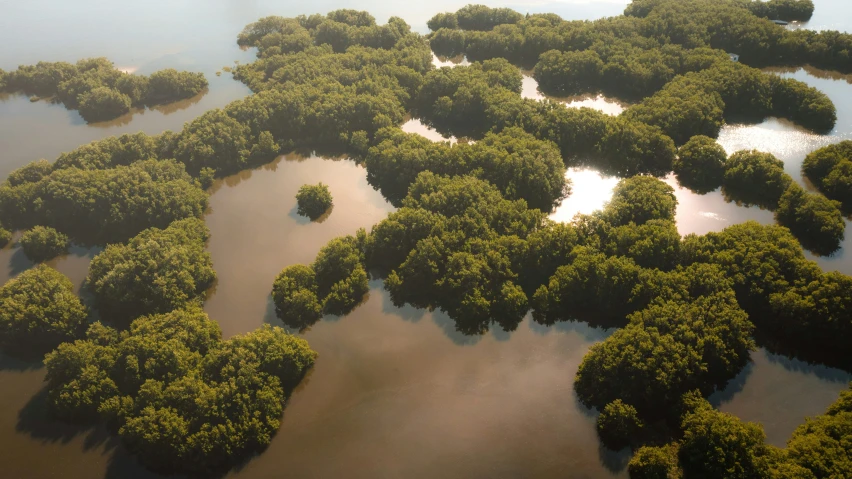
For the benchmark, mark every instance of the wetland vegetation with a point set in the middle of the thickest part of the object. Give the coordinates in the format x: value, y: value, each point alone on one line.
x: 470, y: 236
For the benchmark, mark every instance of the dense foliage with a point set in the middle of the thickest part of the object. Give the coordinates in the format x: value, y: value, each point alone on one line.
x: 521, y: 166
x: 666, y: 350
x: 822, y: 443
x: 38, y: 311
x: 334, y: 284
x: 156, y: 271
x: 313, y: 200
x: 830, y: 169
x: 181, y: 398
x: 470, y: 236
x: 472, y: 100
x: 660, y: 55
x: 42, y: 243
x: 700, y: 164
x: 755, y: 178
x: 100, y: 206
x: 99, y: 90
x: 617, y: 424
x: 814, y: 219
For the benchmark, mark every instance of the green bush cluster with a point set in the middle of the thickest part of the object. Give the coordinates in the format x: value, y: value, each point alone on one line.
x: 100, y: 91
x: 737, y: 26
x: 340, y: 29
x: 818, y: 445
x: 618, y: 423
x: 38, y: 311
x: 716, y: 444
x: 786, y: 296
x: 156, y: 271
x: 41, y: 243
x: 334, y: 284
x: 521, y: 166
x: 700, y: 164
x: 313, y: 200
x: 830, y: 169
x: 473, y: 100
x: 815, y: 220
x: 182, y: 399
x: 646, y: 57
x: 101, y: 206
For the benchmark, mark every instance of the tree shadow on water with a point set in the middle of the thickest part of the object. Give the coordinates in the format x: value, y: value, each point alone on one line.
x: 17, y: 364
x: 18, y: 262
x: 734, y: 386
x: 295, y: 216
x: 35, y: 420
x: 614, y: 461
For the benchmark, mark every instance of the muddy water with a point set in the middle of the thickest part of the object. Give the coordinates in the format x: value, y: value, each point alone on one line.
x: 396, y: 392
x: 256, y: 230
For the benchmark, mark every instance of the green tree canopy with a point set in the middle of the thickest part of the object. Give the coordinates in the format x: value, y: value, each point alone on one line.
x: 314, y: 200
x: 41, y: 243
x: 38, y: 311
x: 156, y: 271
x: 180, y: 398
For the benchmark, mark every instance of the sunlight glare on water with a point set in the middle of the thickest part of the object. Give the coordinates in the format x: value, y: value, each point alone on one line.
x: 590, y: 190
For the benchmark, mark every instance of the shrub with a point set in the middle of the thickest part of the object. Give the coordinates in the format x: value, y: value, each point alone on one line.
x: 314, y: 200
x: 830, y: 169
x: 651, y: 462
x: 101, y: 206
x: 170, y: 85
x: 42, y: 243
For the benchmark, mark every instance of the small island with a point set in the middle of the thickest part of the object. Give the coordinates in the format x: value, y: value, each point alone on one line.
x: 314, y: 200
x: 98, y: 89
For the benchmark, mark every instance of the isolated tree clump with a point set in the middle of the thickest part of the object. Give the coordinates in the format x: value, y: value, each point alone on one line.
x: 156, y: 271
x: 700, y: 165
x: 38, y: 311
x: 42, y: 243
x: 314, y: 200
x: 182, y: 399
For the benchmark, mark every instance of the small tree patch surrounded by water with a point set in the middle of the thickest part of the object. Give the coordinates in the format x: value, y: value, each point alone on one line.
x: 314, y: 200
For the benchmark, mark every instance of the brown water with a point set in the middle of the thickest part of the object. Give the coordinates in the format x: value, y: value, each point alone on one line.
x: 396, y: 391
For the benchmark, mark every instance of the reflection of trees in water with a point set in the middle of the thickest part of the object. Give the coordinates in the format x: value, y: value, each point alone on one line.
x: 815, y: 72
x: 164, y: 108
